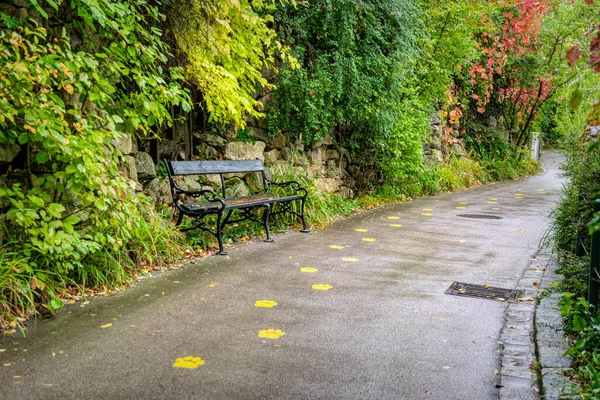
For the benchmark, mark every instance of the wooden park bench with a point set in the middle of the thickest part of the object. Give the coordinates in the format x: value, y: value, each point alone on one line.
x: 197, y: 205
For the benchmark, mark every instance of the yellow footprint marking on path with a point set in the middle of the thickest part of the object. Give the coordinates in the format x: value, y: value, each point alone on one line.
x: 393, y: 217
x: 360, y: 230
x: 270, y: 334
x: 461, y: 208
x: 396, y: 225
x: 368, y: 239
x: 518, y: 195
x: 492, y: 202
x: 492, y: 199
x: 463, y: 202
x: 106, y: 326
x: 427, y: 215
x: 322, y: 286
x: 308, y: 269
x: 350, y: 259
x: 265, y: 303
x: 189, y: 362
x: 336, y: 246
x: 428, y: 209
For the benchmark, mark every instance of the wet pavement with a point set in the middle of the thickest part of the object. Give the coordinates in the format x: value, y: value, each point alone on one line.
x: 365, y: 319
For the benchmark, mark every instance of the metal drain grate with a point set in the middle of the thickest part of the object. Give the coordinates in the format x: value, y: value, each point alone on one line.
x: 482, y: 292
x: 479, y: 216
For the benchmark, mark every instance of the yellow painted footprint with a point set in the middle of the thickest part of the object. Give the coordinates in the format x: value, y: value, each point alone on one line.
x: 427, y: 215
x: 368, y: 239
x: 461, y: 208
x: 350, y: 259
x: 322, y: 286
x: 393, y: 217
x: 265, y: 303
x: 428, y: 209
x: 396, y: 225
x: 336, y: 246
x: 360, y: 230
x: 270, y: 334
x: 463, y: 203
x: 189, y: 362
x: 309, y: 270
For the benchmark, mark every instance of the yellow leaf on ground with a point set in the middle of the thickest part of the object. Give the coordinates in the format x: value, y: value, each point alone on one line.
x: 188, y: 362
x: 396, y: 225
x: 265, y: 303
x: 270, y: 334
x: 213, y: 284
x: 308, y: 269
x: 13, y: 323
x: 336, y: 246
x: 360, y: 230
x: 521, y: 231
x: 368, y: 239
x: 350, y: 259
x: 106, y: 326
x: 393, y: 217
x: 485, y: 286
x: 322, y: 286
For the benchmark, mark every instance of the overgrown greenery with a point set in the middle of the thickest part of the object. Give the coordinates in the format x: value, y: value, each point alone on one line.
x: 69, y: 214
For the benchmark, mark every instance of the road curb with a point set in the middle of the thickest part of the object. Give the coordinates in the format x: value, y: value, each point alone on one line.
x: 532, y: 338
x: 518, y: 378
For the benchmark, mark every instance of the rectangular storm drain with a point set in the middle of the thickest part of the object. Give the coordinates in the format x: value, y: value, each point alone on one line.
x: 483, y: 292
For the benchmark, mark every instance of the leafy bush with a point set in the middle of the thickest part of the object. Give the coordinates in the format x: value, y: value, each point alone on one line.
x: 69, y: 213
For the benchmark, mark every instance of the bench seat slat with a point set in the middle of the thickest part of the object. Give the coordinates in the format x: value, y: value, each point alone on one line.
x: 239, y: 202
x: 216, y: 167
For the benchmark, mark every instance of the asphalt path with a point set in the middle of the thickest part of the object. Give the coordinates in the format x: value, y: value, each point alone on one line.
x: 383, y: 329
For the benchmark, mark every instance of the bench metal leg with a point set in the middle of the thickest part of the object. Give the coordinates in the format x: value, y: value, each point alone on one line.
x: 304, y: 226
x: 222, y: 252
x: 266, y: 214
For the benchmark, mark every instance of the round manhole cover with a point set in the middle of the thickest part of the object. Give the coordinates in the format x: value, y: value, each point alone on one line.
x: 479, y: 216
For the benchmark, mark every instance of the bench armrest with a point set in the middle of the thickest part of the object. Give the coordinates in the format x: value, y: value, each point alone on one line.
x: 209, y: 195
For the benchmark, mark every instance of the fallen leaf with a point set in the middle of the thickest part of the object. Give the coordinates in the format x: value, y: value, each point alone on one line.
x: 485, y: 286
x: 270, y: 334
x: 308, y: 270
x: 265, y: 303
x: 350, y: 259
x: 47, y: 384
x: 496, y: 372
x: 518, y: 195
x: 188, y: 362
x: 526, y: 299
x: 6, y: 364
x: 360, y: 230
x: 368, y: 239
x: 213, y: 284
x: 2, y: 350
x: 106, y: 326
x: 536, y: 283
x: 17, y: 376
x: 521, y: 231
x: 322, y: 286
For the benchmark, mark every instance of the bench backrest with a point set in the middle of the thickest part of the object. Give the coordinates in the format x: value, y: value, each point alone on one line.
x: 221, y: 167
x: 214, y: 167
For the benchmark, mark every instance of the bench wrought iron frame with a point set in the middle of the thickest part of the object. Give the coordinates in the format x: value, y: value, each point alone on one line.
x: 207, y: 202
